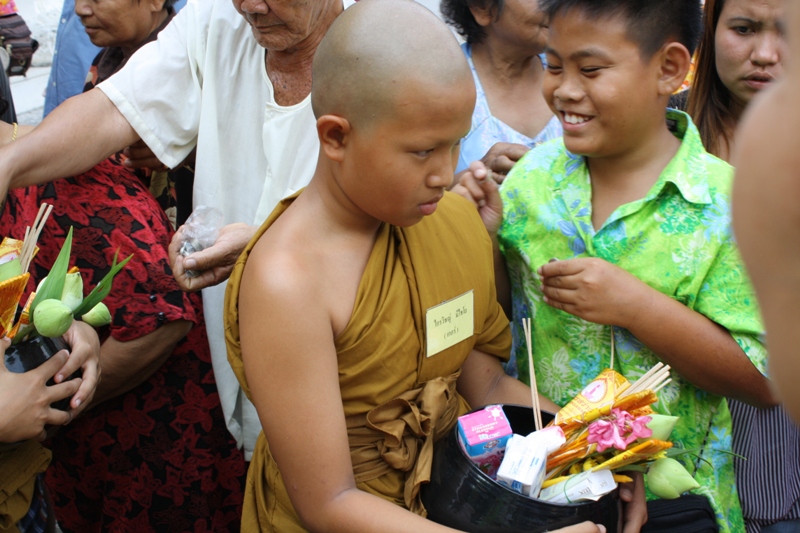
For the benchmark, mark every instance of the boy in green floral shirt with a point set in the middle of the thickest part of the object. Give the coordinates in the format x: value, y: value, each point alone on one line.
x: 623, y: 228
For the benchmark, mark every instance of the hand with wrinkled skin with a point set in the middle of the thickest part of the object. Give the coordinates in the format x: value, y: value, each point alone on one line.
x: 499, y: 159
x: 502, y: 157
x: 139, y: 155
x: 594, y: 290
x: 215, y: 263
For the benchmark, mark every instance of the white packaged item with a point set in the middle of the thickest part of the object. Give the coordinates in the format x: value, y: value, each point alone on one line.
x: 580, y: 487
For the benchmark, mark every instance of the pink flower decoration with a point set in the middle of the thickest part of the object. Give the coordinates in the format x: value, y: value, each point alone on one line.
x: 605, y: 434
x: 639, y: 429
x: 618, y: 431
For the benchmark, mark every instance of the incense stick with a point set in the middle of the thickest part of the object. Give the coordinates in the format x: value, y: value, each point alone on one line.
x: 537, y: 412
x: 611, y: 363
x: 32, y: 235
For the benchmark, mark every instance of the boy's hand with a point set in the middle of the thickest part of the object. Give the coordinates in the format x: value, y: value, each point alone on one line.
x: 476, y: 185
x: 25, y: 399
x: 634, y: 503
x: 593, y: 289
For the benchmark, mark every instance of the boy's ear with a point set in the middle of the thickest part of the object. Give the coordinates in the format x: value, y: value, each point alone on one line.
x: 333, y: 134
x: 675, y: 62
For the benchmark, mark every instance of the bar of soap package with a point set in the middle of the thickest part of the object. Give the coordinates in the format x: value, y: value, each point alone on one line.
x: 523, y: 466
x: 483, y: 436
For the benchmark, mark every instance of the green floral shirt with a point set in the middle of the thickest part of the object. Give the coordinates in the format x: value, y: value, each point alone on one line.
x: 677, y: 240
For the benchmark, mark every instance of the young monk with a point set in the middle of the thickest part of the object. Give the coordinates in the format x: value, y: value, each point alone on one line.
x: 622, y: 231
x: 333, y: 293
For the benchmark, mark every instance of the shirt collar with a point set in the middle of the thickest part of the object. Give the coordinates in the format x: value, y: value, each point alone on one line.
x: 687, y: 170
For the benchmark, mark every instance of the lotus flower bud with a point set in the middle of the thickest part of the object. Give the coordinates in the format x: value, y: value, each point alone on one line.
x: 668, y: 479
x: 72, y: 295
x: 52, y: 318
x: 661, y: 426
x: 98, y: 316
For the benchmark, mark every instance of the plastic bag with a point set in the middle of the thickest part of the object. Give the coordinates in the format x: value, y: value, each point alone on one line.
x: 200, y: 231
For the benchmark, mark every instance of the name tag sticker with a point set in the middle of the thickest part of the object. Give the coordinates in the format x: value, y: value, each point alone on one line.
x: 449, y: 323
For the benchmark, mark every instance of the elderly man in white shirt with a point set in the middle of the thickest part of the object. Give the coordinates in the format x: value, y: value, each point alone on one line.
x: 232, y: 79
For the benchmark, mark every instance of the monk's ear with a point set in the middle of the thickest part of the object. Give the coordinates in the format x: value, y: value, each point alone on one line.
x: 673, y: 63
x: 334, y: 132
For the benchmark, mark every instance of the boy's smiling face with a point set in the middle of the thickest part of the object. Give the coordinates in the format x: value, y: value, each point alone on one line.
x: 597, y: 83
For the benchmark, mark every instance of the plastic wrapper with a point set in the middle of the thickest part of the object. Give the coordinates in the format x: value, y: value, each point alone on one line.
x: 580, y: 487
x: 200, y: 231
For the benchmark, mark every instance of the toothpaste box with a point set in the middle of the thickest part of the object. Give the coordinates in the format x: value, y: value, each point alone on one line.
x: 483, y: 436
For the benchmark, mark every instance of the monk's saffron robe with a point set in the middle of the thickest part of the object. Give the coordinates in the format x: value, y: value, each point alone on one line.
x: 397, y: 401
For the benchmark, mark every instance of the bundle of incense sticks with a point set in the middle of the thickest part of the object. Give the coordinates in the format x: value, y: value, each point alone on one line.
x: 537, y: 412
x: 32, y: 235
x: 654, y: 379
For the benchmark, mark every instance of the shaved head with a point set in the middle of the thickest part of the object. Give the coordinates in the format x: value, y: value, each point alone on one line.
x: 377, y: 49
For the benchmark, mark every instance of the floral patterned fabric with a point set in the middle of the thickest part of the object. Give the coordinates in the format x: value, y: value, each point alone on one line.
x: 678, y: 240
x: 159, y: 457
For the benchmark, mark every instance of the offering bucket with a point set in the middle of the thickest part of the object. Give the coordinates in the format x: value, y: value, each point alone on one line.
x: 27, y: 355
x: 462, y: 497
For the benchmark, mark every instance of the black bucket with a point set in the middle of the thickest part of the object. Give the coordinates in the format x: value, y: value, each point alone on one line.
x: 462, y: 497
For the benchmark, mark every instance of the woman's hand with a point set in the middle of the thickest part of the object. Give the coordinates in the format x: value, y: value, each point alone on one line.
x: 25, y: 399
x: 85, y: 355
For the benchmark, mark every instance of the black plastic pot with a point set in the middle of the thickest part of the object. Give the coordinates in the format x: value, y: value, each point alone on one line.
x: 462, y: 497
x: 30, y: 354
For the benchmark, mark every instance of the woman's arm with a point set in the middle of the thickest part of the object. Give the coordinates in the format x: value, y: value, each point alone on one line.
x: 128, y: 364
x: 72, y: 139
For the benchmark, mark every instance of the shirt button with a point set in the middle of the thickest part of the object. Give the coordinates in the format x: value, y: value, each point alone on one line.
x: 153, y: 299
x: 161, y: 317
x: 63, y: 21
x: 54, y: 84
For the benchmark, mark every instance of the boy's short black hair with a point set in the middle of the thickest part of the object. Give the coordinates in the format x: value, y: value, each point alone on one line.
x: 651, y: 23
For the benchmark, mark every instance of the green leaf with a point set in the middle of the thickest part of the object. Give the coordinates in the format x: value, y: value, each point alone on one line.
x: 102, y: 289
x: 53, y: 286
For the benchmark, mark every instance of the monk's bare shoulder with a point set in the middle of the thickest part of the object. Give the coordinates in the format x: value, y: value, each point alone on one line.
x: 283, y: 270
